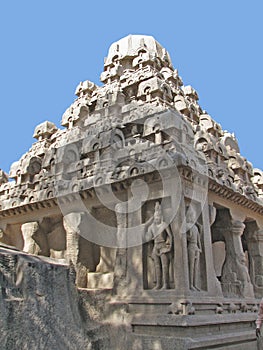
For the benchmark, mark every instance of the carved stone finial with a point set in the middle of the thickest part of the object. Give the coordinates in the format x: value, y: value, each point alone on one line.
x: 44, y: 130
x: 85, y: 87
x: 130, y: 45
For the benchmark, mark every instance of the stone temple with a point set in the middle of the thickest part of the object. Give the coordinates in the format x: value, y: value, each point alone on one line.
x: 138, y: 225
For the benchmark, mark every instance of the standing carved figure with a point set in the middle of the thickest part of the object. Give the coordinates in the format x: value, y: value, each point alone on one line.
x: 161, y: 235
x: 194, y: 248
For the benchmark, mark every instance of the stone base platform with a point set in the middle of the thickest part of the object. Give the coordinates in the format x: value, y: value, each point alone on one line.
x: 194, y: 332
x: 180, y: 324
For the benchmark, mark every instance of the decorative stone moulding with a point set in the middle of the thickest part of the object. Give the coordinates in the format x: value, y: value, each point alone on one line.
x: 145, y: 197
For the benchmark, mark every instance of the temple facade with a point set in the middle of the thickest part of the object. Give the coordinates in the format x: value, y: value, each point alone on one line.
x: 150, y: 202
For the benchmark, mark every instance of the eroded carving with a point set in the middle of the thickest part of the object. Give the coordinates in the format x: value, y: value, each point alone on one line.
x: 82, y: 254
x: 140, y: 120
x: 30, y: 229
x: 235, y: 277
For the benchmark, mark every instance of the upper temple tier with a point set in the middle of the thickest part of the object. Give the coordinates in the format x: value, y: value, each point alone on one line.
x: 145, y: 109
x: 134, y: 49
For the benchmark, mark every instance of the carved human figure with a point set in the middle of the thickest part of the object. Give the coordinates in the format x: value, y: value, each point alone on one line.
x: 194, y: 248
x: 121, y: 216
x: 161, y: 235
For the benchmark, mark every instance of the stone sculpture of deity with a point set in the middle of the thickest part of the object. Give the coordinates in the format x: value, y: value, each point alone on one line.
x: 161, y: 235
x: 194, y: 248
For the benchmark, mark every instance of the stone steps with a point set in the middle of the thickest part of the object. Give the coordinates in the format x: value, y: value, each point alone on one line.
x: 233, y: 341
x: 138, y: 324
x: 235, y: 332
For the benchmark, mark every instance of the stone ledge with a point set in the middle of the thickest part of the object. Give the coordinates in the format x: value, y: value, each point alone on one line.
x: 97, y: 280
x: 191, y: 320
x: 243, y: 341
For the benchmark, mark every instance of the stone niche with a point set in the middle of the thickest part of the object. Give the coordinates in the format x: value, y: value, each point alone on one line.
x: 150, y: 205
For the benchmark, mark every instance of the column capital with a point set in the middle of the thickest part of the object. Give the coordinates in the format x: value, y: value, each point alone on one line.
x: 237, y: 215
x: 237, y: 227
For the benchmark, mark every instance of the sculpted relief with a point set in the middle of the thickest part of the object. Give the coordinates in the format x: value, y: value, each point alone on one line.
x: 140, y: 120
x: 160, y: 234
x: 194, y: 248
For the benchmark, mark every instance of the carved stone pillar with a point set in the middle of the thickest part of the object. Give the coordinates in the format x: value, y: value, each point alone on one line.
x: 209, y: 216
x: 79, y: 251
x: 254, y: 239
x: 181, y: 271
x: 235, y: 277
x: 29, y: 229
x: 71, y: 224
x: 121, y: 252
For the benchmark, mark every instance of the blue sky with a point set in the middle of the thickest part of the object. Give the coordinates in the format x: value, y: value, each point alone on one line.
x: 48, y: 47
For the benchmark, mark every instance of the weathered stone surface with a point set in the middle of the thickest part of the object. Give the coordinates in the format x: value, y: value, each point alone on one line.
x: 39, y: 304
x: 152, y: 205
x: 139, y: 81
